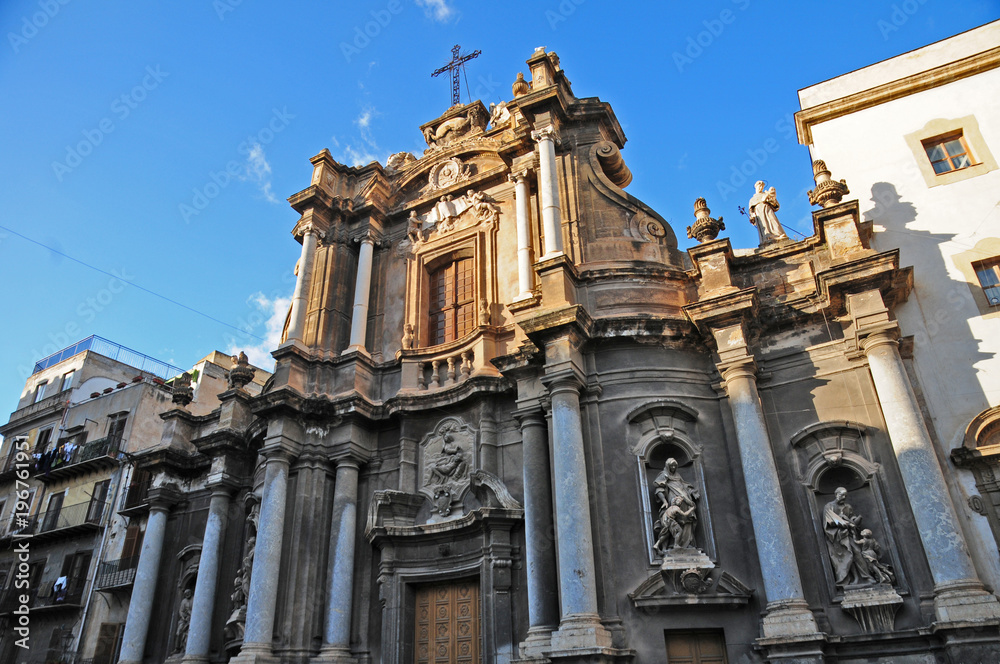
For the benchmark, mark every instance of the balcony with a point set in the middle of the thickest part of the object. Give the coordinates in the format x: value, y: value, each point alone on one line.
x: 47, y: 406
x: 44, y: 600
x: 99, y: 454
x: 117, y: 574
x: 67, y: 521
x: 8, y: 468
x: 136, y: 496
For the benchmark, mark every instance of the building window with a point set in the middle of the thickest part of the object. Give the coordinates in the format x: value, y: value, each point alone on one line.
x: 40, y: 390
x: 988, y: 272
x: 42, y: 443
x: 695, y: 647
x: 948, y: 153
x: 67, y: 379
x: 452, y: 302
x: 116, y: 430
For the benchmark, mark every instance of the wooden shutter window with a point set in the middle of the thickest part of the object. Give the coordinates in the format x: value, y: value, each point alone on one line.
x: 451, y: 313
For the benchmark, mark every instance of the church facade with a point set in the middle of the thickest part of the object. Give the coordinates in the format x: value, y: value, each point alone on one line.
x: 510, y: 421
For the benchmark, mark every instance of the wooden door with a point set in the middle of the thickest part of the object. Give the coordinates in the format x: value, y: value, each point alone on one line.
x: 447, y: 623
x: 696, y: 648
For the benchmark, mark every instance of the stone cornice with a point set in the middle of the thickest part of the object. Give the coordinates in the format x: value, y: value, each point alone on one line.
x: 953, y: 71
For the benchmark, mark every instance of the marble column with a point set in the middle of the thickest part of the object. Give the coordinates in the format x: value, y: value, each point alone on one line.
x: 267, y: 560
x: 524, y: 274
x: 543, y: 600
x: 579, y: 622
x: 300, y: 296
x: 140, y: 608
x: 200, y: 630
x: 362, y: 291
x: 548, y: 187
x: 788, y: 612
x: 337, y: 630
x: 959, y: 594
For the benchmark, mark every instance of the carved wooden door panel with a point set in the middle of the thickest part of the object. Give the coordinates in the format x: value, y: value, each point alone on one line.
x: 447, y: 623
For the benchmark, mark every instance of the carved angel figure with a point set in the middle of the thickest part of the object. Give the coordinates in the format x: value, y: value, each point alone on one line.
x: 763, y: 206
x: 499, y: 114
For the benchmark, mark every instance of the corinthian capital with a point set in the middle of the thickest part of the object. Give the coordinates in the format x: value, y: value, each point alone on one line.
x: 548, y: 133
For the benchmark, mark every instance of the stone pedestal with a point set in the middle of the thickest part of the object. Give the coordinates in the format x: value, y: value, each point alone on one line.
x: 874, y: 607
x: 686, y: 570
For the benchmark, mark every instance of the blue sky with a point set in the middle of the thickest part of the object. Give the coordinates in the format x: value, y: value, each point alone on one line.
x: 157, y: 142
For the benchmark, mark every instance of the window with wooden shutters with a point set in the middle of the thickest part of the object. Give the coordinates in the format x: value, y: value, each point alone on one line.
x: 109, y: 643
x: 452, y: 301
x: 131, y: 547
x: 116, y: 429
x: 98, y: 498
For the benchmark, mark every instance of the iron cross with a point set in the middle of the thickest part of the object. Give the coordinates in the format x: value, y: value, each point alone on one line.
x: 453, y: 66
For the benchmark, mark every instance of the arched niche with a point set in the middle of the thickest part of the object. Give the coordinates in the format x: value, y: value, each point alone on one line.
x: 980, y: 453
x: 838, y: 454
x: 665, y: 429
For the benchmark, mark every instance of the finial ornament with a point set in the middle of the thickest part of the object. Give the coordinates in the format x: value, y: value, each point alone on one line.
x: 183, y: 392
x: 704, y: 228
x: 521, y: 86
x: 241, y: 373
x: 828, y: 192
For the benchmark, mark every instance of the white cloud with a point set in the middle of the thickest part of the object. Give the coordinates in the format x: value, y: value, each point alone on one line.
x: 364, y: 149
x: 437, y: 9
x: 274, y: 311
x: 259, y: 171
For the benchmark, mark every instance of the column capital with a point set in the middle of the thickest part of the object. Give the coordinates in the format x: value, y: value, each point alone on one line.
x: 346, y: 461
x: 567, y: 380
x: 518, y: 176
x: 530, y: 416
x: 883, y: 337
x: 547, y: 133
x: 369, y: 236
x: 162, y: 498
x: 743, y: 368
x: 279, y: 454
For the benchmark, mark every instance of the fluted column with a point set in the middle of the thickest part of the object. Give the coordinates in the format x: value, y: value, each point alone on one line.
x: 579, y: 623
x: 140, y: 608
x: 524, y: 275
x: 267, y: 559
x: 362, y: 290
x: 788, y: 612
x: 337, y: 632
x: 200, y: 629
x: 548, y: 187
x: 959, y: 595
x: 300, y: 295
x: 543, y: 600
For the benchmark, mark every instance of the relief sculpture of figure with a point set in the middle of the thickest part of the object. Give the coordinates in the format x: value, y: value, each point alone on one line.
x: 842, y: 527
x: 677, y: 500
x: 450, y: 463
x: 763, y: 206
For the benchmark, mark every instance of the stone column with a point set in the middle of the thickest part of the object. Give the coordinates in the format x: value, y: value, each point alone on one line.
x: 337, y: 631
x: 524, y: 276
x: 788, y: 613
x: 140, y: 608
x: 362, y: 290
x: 543, y: 601
x: 300, y: 297
x: 200, y: 630
x: 267, y: 560
x: 959, y: 595
x: 548, y: 186
x: 579, y: 623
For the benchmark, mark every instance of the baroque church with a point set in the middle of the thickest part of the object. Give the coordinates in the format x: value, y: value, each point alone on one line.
x: 510, y: 421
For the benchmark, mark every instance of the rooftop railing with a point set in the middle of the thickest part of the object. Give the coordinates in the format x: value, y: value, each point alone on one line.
x: 114, y: 351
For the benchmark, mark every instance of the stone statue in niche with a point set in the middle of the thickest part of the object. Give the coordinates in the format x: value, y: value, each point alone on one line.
x: 763, y: 207
x: 183, y: 621
x: 854, y: 552
x: 677, y: 500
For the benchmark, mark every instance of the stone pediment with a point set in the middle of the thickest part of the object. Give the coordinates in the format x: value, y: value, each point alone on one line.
x: 449, y: 171
x: 457, y: 124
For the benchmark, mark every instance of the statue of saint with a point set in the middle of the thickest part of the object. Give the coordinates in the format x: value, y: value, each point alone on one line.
x: 763, y: 206
x: 841, y: 525
x: 183, y: 621
x: 871, y: 551
x: 677, y: 499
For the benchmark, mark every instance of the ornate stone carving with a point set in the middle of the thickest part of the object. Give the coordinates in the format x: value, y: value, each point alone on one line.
x: 499, y: 114
x: 854, y: 552
x: 457, y: 127
x: 763, y: 206
x: 448, y: 172
x: 183, y: 393
x: 704, y: 228
x: 407, y: 340
x: 828, y: 192
x: 400, y: 160
x: 874, y: 608
x: 446, y: 213
x: 677, y: 500
x: 447, y: 456
x: 644, y: 228
x: 242, y: 373
x: 520, y: 86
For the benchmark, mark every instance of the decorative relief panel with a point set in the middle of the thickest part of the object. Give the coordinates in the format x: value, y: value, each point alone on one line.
x: 447, y: 456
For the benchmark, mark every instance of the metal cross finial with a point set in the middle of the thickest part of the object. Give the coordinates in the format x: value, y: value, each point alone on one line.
x: 453, y: 66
